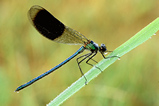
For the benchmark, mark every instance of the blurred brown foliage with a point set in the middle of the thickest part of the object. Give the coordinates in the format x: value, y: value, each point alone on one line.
x: 25, y: 54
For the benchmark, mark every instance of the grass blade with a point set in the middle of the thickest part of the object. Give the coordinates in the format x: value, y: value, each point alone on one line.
x: 132, y: 43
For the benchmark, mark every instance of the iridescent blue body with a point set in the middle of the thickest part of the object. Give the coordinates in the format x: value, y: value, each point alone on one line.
x: 54, y: 30
x: 51, y: 70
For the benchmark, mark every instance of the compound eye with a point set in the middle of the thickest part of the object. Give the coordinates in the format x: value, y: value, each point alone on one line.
x: 103, y: 48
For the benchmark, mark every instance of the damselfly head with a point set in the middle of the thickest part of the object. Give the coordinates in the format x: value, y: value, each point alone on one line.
x: 102, y: 48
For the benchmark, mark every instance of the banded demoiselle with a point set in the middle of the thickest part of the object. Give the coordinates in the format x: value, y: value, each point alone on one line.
x: 53, y: 29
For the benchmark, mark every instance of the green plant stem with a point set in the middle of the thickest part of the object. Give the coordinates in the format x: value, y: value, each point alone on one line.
x: 132, y: 43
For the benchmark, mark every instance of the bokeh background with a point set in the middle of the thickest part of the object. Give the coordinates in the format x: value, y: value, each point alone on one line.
x: 25, y: 54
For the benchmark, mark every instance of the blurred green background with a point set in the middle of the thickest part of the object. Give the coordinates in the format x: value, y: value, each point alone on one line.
x: 25, y: 54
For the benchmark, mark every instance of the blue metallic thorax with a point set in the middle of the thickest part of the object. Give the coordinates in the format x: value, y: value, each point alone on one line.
x: 90, y: 45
